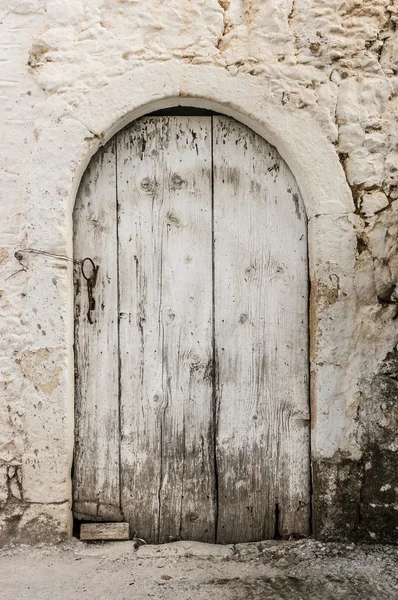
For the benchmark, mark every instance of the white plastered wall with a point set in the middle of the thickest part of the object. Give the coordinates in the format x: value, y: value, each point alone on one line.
x: 73, y: 83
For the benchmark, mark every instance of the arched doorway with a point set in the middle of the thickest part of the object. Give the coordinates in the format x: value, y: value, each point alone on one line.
x: 192, y: 415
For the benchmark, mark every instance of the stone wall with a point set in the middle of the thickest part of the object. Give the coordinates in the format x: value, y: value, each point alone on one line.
x: 326, y: 69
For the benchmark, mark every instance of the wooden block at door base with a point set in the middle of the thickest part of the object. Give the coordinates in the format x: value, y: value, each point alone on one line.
x: 104, y: 531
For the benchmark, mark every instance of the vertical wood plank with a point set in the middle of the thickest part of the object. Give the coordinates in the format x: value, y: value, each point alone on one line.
x: 96, y: 459
x: 165, y: 257
x: 261, y: 335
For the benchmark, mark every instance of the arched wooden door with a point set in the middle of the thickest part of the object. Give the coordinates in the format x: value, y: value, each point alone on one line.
x: 192, y: 409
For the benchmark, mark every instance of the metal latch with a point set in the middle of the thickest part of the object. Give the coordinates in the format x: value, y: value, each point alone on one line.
x: 91, y: 281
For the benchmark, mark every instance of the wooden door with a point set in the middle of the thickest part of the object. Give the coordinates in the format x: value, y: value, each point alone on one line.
x: 192, y: 418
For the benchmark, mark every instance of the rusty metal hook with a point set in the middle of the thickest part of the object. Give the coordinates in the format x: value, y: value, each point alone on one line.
x: 93, y: 276
x: 91, y: 281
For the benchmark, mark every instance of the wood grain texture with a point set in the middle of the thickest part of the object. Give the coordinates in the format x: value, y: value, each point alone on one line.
x: 96, y: 459
x: 261, y: 336
x: 165, y: 248
x: 202, y: 338
x: 104, y: 531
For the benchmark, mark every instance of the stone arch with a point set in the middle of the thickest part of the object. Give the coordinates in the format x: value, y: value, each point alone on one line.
x: 68, y: 136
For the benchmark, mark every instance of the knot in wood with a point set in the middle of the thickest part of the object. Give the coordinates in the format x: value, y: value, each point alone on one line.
x: 148, y: 185
x: 176, y: 181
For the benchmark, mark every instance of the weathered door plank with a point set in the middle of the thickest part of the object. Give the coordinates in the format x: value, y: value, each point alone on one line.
x: 166, y: 320
x: 165, y: 257
x: 261, y: 335
x: 104, y: 531
x: 96, y: 459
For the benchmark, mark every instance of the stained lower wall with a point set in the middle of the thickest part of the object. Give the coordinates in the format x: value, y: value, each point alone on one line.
x: 356, y: 499
x: 334, y: 62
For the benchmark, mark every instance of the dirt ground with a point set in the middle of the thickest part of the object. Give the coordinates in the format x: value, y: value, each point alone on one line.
x: 299, y: 570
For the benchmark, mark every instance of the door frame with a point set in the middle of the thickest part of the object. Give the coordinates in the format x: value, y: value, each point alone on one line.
x: 66, y: 143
